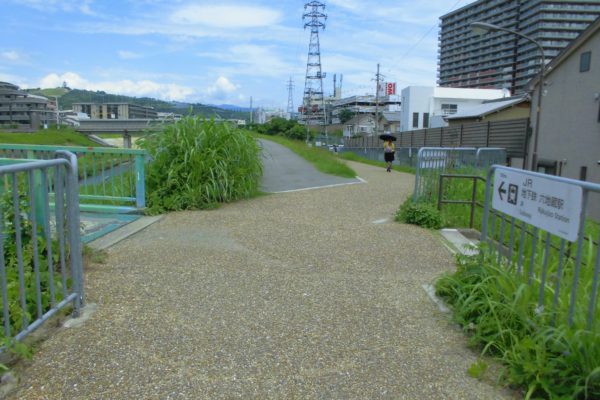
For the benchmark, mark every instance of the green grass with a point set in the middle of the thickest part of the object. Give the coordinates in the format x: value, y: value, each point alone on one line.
x: 497, y: 306
x: 323, y: 159
x: 354, y: 157
x: 50, y: 137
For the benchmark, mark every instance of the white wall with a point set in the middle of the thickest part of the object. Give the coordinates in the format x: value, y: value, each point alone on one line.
x: 415, y: 99
x: 428, y: 99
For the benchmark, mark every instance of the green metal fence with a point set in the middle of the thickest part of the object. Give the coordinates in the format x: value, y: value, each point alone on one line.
x: 110, y: 179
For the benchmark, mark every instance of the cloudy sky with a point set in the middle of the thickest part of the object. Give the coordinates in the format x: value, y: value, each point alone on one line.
x: 215, y: 52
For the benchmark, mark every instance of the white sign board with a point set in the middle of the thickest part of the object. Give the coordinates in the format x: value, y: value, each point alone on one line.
x: 548, y: 204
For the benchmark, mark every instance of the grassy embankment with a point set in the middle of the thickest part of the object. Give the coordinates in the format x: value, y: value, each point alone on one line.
x: 354, y: 157
x: 48, y: 137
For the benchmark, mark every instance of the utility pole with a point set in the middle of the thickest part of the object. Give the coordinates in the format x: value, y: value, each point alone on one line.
x: 56, y: 111
x: 378, y: 77
x: 251, y: 110
x: 290, y: 105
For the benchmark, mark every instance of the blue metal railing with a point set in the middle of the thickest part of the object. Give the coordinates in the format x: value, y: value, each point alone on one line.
x: 40, y: 247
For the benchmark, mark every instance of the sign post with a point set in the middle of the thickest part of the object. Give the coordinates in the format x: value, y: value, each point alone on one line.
x: 542, y: 202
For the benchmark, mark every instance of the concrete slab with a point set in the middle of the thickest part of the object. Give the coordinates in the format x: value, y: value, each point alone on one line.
x: 96, y: 225
x: 123, y: 232
x: 460, y: 242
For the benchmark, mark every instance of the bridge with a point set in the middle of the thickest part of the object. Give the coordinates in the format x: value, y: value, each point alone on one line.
x: 92, y: 126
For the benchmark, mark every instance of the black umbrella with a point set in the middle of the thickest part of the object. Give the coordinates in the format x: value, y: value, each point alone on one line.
x: 387, y: 136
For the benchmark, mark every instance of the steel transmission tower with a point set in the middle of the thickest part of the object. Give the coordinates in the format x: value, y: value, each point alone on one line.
x: 290, y: 106
x: 313, y: 108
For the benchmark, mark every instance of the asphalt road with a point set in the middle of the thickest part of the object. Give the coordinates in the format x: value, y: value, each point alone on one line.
x: 285, y: 171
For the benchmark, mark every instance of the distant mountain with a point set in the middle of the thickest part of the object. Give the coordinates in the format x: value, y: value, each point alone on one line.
x: 67, y: 97
x: 231, y: 107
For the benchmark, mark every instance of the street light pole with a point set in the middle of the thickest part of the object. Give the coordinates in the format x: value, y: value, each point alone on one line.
x: 56, y: 111
x: 483, y: 27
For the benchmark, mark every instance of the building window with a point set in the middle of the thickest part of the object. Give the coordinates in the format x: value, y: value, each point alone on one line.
x: 585, y: 61
x: 425, y: 120
x: 583, y: 173
x: 415, y: 120
x: 449, y: 109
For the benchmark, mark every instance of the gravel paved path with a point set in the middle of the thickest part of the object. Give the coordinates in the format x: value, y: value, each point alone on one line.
x: 304, y: 295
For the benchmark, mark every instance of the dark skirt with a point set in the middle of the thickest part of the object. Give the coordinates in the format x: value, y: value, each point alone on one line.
x: 389, y: 157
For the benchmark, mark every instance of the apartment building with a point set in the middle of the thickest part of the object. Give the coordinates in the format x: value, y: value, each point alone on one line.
x: 18, y: 107
x: 502, y: 60
x: 115, y: 111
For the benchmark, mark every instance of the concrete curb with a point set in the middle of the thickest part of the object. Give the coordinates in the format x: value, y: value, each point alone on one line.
x: 116, y: 236
x: 459, y: 242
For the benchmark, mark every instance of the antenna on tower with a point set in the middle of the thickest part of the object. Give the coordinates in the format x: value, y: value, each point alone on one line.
x: 313, y: 107
x: 334, y: 85
x: 290, y: 106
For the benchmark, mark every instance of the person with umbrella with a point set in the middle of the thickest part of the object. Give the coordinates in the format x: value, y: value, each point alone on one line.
x: 389, y: 149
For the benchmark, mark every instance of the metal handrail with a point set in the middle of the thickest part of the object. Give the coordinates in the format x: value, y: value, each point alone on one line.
x: 473, y: 202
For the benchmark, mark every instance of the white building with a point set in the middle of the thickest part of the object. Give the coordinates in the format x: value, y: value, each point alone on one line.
x: 426, y: 106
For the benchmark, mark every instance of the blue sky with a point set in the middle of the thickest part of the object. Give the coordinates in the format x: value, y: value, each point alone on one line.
x: 215, y: 52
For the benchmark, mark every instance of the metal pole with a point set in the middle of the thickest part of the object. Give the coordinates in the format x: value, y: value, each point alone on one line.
x: 483, y: 26
x: 377, y: 101
x: 534, y: 157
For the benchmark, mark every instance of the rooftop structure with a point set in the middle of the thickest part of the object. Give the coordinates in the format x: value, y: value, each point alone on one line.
x: 500, y: 60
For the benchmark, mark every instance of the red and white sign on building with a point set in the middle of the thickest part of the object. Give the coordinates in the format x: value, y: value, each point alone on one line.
x: 390, y: 88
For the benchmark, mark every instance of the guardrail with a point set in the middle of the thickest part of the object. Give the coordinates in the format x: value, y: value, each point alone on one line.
x: 531, y: 222
x: 111, y: 180
x: 472, y: 202
x: 435, y: 161
x: 40, y: 250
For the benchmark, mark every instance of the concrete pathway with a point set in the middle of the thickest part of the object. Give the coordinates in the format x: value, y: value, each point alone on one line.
x: 311, y: 294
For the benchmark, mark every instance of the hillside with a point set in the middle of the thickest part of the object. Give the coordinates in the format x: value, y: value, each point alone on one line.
x: 67, y: 97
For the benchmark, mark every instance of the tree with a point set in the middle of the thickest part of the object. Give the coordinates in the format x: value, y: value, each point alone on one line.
x: 345, y: 115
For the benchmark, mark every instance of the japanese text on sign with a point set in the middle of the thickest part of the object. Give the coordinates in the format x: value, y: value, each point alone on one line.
x: 539, y: 200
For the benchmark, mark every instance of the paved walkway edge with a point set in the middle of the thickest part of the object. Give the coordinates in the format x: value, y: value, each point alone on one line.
x: 116, y: 236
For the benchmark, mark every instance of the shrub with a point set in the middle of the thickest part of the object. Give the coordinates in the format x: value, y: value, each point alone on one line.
x: 198, y: 164
x: 422, y: 214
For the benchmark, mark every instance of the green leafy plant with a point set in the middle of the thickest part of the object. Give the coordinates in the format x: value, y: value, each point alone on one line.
x: 478, y: 369
x: 422, y: 214
x: 197, y: 164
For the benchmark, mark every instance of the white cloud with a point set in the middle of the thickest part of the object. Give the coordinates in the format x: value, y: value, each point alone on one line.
x: 252, y: 60
x: 82, y: 6
x: 352, y: 5
x: 128, y: 55
x: 10, y: 55
x: 225, y: 16
x: 165, y: 91
x: 221, y: 89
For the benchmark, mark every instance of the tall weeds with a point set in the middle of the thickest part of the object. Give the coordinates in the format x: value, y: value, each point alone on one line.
x: 197, y: 164
x: 498, y: 306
